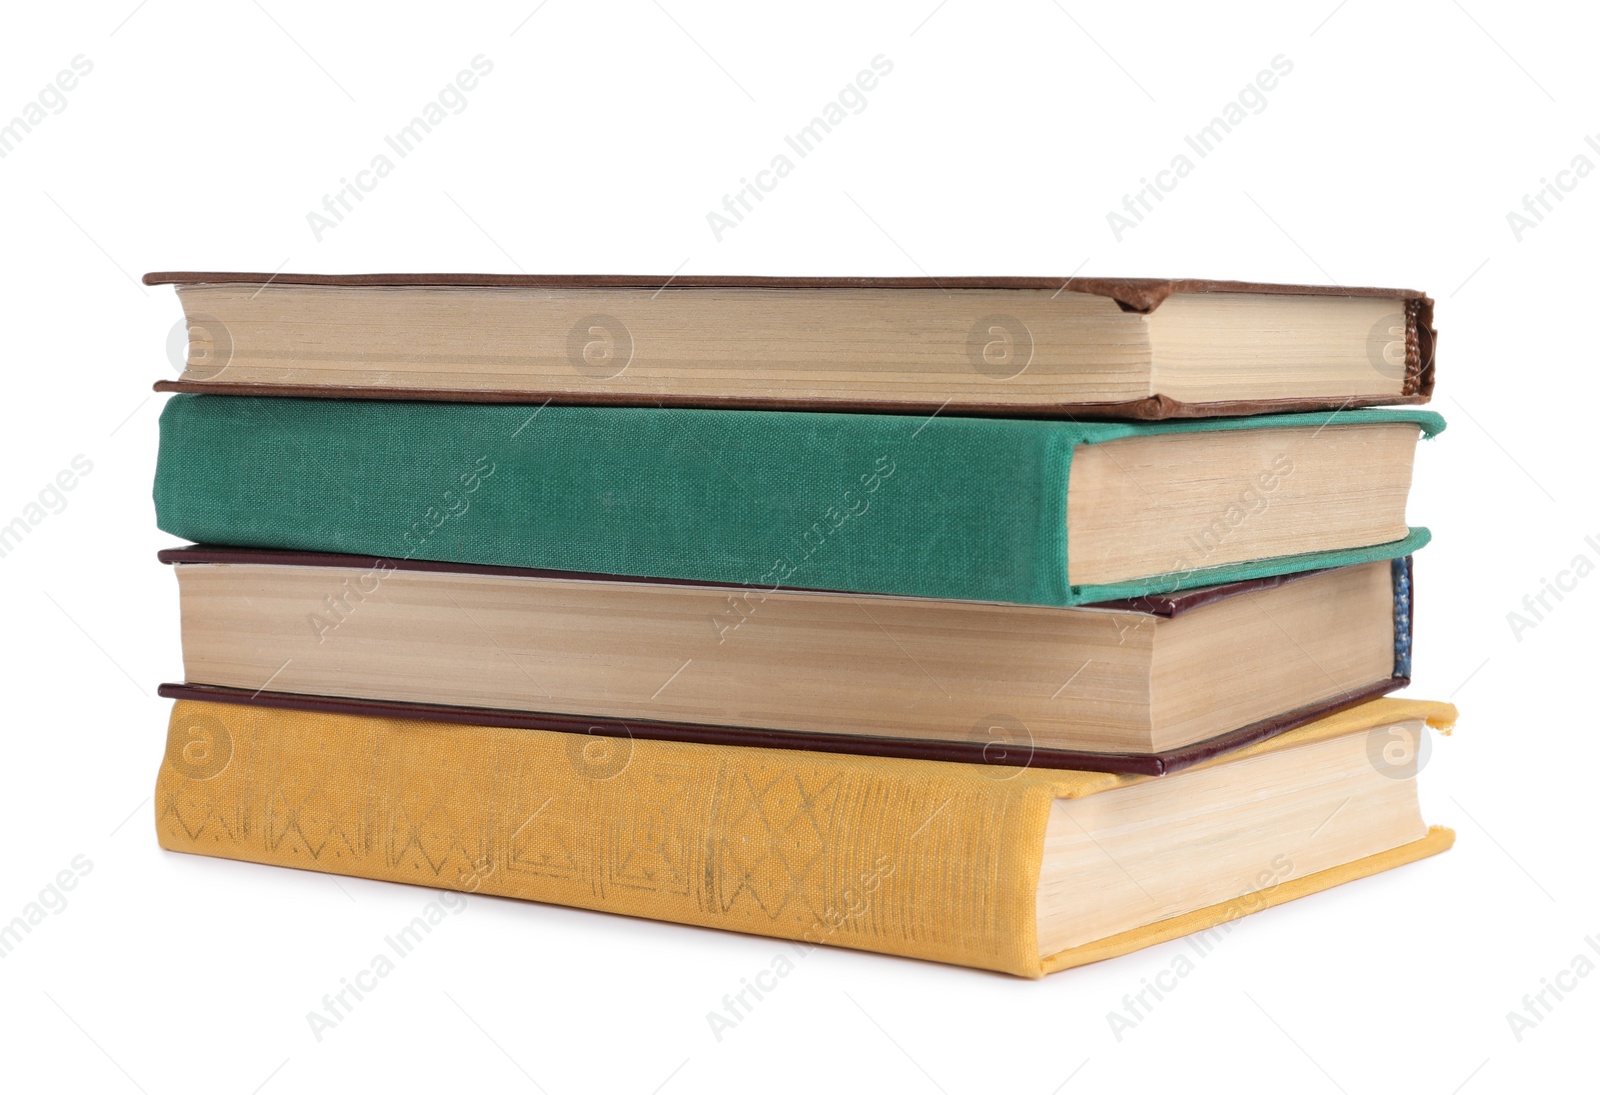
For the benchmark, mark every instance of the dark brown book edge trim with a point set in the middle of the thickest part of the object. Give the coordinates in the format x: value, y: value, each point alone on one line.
x: 1420, y: 342
x: 1149, y: 409
x: 1174, y: 604
x: 1131, y: 294
x: 1003, y: 754
x: 199, y: 554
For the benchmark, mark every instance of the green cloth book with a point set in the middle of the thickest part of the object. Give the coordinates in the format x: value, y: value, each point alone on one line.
x: 966, y: 508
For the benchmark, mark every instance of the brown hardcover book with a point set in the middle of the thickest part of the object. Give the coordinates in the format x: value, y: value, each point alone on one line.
x: 1145, y: 686
x: 1083, y: 347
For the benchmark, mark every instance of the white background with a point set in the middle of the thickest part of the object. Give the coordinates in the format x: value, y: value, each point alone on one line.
x: 604, y: 135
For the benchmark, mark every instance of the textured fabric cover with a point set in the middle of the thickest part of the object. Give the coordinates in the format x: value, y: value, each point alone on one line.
x: 919, y: 858
x: 936, y: 507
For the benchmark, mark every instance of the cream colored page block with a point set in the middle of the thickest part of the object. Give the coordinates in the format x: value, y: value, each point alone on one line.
x: 1156, y: 504
x: 1308, y: 641
x: 1209, y: 343
x: 967, y: 346
x: 882, y: 666
x: 1162, y: 847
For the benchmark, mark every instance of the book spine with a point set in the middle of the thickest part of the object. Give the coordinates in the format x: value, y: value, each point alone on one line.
x: 932, y: 506
x: 915, y: 858
x: 1403, y: 572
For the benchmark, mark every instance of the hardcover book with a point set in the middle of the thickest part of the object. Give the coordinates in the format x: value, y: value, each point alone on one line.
x: 1022, y: 511
x: 1019, y: 870
x: 1135, y: 686
x: 1083, y: 347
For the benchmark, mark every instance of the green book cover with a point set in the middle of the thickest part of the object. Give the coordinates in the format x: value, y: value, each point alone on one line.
x: 970, y: 508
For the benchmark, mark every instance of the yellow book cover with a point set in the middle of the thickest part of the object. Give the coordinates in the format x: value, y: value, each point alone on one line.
x: 925, y: 859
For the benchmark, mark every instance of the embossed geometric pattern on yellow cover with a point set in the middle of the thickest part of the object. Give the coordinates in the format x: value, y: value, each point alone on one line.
x: 919, y: 858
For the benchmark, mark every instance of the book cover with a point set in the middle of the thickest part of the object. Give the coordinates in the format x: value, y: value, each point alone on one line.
x: 965, y: 508
x: 924, y: 859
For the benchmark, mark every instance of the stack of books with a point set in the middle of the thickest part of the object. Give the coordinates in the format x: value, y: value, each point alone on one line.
x: 998, y: 622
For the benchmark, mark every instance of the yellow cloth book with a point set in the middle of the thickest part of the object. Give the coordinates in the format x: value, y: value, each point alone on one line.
x: 1021, y: 870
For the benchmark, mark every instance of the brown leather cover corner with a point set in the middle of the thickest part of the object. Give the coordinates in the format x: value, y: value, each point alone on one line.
x: 1176, y: 604
x: 961, y: 752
